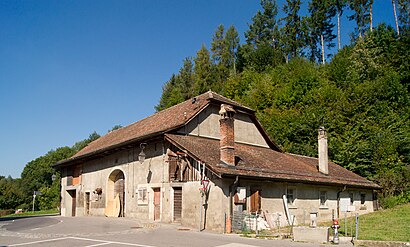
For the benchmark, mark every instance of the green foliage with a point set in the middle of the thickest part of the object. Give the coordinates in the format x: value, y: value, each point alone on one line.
x: 37, y: 176
x: 393, y: 201
x: 292, y: 37
x: 11, y: 193
x: 361, y: 15
x: 321, y: 27
x: 264, y: 29
x: 361, y: 96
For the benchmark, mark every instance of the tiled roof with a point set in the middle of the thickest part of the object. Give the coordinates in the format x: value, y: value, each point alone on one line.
x: 266, y: 163
x: 160, y: 122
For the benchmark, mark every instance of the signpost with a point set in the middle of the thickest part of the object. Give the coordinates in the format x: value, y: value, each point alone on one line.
x: 36, y: 193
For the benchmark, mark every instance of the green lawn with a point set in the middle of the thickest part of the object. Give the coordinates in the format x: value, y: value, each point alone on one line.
x: 386, y: 225
x: 35, y: 213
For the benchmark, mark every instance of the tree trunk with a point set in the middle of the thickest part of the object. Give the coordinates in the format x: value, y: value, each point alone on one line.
x: 395, y: 17
x: 339, y: 13
x: 323, y: 48
x: 371, y: 17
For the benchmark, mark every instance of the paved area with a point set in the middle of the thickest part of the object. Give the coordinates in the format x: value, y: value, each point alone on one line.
x: 101, y: 231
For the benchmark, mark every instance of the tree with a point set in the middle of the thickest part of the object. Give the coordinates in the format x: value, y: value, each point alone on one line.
x: 395, y: 16
x: 115, y: 127
x: 361, y: 14
x: 404, y: 15
x: 321, y: 26
x: 185, y: 79
x: 11, y: 193
x: 291, y: 38
x: 171, y: 94
x: 217, y: 45
x: 264, y: 28
x: 231, y: 44
x: 82, y: 144
x: 339, y: 5
x: 203, y: 68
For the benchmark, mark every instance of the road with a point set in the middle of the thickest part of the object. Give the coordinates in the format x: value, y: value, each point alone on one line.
x: 101, y: 231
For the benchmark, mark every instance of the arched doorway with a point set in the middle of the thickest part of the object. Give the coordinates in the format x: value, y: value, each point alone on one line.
x: 115, y: 199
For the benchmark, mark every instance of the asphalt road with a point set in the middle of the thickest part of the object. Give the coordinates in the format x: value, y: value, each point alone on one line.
x: 101, y: 231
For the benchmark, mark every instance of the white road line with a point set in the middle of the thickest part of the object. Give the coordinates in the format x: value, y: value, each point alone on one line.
x: 236, y: 245
x: 111, y: 242
x: 98, y: 244
x: 40, y: 241
x: 104, y: 242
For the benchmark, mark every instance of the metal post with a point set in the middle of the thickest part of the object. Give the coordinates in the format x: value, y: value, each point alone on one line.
x: 34, y: 199
x: 200, y: 212
x: 357, y: 226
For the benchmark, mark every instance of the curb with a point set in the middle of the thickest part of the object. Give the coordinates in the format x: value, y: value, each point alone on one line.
x: 371, y: 243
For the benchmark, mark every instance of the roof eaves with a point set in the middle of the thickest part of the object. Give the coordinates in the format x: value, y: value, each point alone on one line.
x: 99, y: 151
x: 369, y: 185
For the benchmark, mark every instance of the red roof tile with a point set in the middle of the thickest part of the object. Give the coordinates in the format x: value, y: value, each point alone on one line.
x: 160, y: 122
x: 267, y: 163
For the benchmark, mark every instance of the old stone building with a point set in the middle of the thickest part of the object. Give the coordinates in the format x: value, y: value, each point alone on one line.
x: 200, y: 163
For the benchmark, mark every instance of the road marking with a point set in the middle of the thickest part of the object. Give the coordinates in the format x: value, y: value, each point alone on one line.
x: 38, y: 228
x: 111, y: 242
x: 40, y: 241
x: 103, y: 242
x: 236, y: 245
x: 97, y: 244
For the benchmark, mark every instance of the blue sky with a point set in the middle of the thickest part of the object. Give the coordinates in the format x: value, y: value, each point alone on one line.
x: 68, y: 68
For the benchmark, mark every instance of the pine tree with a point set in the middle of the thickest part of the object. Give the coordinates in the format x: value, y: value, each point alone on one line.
x: 404, y: 15
x: 186, y: 79
x: 321, y: 26
x: 339, y: 5
x: 231, y: 44
x: 203, y: 69
x: 264, y: 27
x: 217, y: 45
x: 361, y: 14
x: 291, y: 38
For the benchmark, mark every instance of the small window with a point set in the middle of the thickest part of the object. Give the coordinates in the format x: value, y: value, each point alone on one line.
x: 142, y: 196
x: 323, y: 198
x: 362, y: 198
x: 290, y: 194
x: 351, y: 198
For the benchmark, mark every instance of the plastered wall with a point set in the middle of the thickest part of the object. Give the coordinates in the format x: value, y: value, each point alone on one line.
x: 206, y: 124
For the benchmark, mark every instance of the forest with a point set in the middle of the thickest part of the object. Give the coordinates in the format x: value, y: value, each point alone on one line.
x: 360, y: 93
x: 284, y: 70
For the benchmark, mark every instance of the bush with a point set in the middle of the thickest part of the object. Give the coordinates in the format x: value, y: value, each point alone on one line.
x: 5, y: 212
x: 392, y: 201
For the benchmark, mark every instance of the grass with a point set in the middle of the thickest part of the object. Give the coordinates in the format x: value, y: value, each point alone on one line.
x: 30, y: 213
x: 385, y: 225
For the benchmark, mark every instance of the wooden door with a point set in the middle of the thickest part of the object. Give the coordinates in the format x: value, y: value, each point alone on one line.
x: 73, y: 202
x: 255, y: 201
x: 177, y: 203
x: 157, y: 203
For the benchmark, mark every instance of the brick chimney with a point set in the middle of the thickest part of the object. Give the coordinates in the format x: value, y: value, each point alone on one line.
x: 322, y: 150
x: 227, y: 142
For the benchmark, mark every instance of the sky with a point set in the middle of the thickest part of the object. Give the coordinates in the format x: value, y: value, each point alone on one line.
x: 69, y: 68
